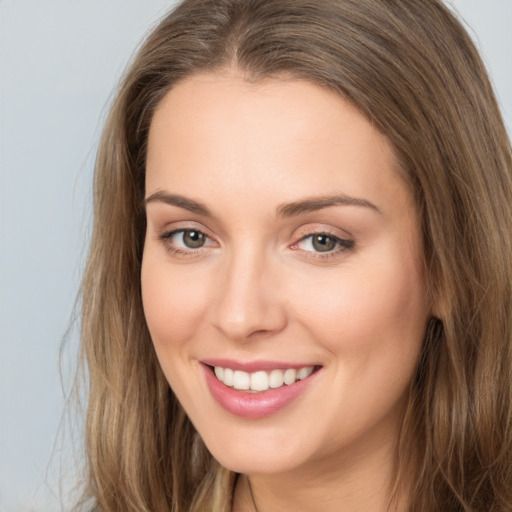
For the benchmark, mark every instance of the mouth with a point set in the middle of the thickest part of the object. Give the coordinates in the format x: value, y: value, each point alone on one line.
x: 261, y: 380
x: 259, y: 389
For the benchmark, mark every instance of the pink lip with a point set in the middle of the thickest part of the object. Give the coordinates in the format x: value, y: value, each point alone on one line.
x: 254, y: 405
x: 254, y: 366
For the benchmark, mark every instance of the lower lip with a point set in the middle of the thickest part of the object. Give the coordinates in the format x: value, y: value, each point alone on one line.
x: 254, y: 405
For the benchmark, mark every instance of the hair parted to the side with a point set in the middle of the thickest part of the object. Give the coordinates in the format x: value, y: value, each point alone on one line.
x: 411, y: 68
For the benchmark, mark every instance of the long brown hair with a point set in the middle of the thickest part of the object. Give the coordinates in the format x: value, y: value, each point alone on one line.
x: 412, y: 69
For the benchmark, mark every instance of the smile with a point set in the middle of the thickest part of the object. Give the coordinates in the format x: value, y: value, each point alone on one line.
x: 260, y: 381
x: 259, y: 389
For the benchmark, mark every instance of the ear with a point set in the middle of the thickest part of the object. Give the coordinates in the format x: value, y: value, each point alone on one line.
x: 439, y: 308
x: 438, y: 312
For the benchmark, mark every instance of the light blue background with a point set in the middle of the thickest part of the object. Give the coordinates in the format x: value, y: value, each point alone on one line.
x: 59, y: 63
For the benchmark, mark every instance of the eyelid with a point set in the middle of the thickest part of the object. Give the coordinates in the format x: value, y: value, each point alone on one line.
x: 321, y: 229
x: 172, y: 227
x: 169, y: 234
x: 166, y: 234
x: 343, y: 243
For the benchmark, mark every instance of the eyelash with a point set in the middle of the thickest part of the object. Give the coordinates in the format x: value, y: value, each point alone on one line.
x: 341, y: 244
x: 167, y: 241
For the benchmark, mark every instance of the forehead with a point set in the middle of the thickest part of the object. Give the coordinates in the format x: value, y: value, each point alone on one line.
x: 285, y: 135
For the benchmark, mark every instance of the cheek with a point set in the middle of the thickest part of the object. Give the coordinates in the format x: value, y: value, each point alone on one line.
x: 174, y: 301
x: 366, y: 310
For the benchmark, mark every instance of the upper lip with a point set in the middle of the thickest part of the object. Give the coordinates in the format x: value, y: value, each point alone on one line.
x: 254, y: 366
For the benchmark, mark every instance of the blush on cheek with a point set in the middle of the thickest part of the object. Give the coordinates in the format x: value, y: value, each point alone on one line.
x: 173, y: 308
x: 378, y: 311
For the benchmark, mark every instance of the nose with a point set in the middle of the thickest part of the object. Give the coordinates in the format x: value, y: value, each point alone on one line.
x: 248, y: 301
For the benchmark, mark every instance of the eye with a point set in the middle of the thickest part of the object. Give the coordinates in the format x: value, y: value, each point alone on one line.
x: 323, y: 243
x: 192, y: 239
x: 183, y: 240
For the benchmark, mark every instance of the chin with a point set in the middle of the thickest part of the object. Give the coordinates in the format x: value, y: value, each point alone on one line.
x: 256, y: 465
x: 265, y: 456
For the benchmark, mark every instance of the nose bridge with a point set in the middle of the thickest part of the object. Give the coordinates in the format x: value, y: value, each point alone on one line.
x: 248, y: 300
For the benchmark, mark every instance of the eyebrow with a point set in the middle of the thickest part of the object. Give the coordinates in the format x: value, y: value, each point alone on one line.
x: 293, y: 209
x: 318, y: 203
x: 180, y: 201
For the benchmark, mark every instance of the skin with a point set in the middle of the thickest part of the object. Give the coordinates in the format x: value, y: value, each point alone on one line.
x: 260, y: 290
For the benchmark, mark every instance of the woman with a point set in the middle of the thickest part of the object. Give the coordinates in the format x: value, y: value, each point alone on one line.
x: 298, y: 295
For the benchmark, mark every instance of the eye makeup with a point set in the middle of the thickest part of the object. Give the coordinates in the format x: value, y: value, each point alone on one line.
x: 316, y: 244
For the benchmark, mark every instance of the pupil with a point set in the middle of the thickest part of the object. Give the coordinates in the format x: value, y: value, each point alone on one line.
x: 193, y: 239
x: 323, y: 243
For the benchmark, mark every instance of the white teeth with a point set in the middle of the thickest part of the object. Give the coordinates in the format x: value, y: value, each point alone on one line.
x: 241, y: 380
x: 219, y: 373
x: 304, y: 373
x: 276, y: 379
x: 261, y: 380
x: 290, y: 376
x: 228, y: 376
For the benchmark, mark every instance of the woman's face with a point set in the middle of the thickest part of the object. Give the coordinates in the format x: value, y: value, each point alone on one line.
x: 281, y: 278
